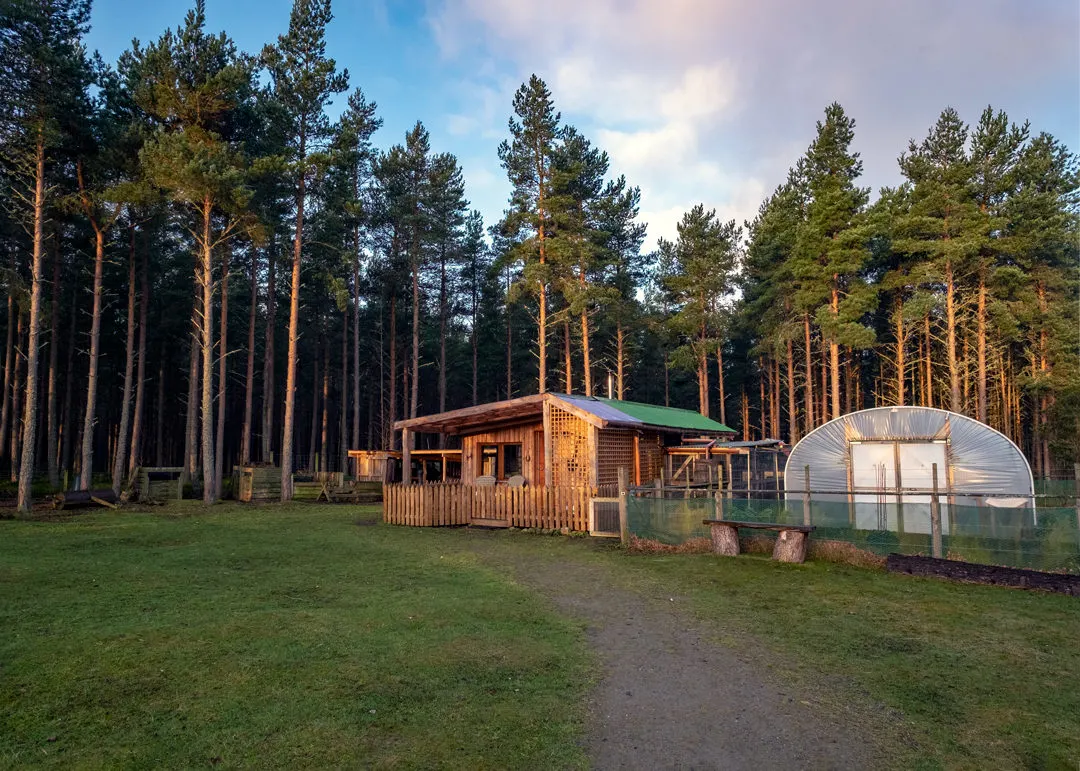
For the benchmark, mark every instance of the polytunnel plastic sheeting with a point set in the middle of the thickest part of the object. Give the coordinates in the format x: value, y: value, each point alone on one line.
x: 982, y: 460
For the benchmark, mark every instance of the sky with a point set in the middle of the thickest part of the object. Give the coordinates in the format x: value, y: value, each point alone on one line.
x: 695, y: 101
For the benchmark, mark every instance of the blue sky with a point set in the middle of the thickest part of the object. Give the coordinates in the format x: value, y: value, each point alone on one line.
x: 695, y: 100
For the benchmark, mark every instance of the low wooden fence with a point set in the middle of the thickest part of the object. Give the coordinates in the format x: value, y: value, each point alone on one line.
x: 435, y: 505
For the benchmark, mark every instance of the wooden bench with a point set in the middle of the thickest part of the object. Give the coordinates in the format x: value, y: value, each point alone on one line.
x: 790, y: 546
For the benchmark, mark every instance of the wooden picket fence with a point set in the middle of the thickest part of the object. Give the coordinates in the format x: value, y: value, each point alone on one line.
x: 438, y: 505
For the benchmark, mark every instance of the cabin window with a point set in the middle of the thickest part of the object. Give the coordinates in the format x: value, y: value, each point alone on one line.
x: 511, y: 459
x: 502, y: 460
x: 489, y: 460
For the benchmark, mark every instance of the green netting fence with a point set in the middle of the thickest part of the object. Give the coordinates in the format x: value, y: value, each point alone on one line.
x: 1045, y: 538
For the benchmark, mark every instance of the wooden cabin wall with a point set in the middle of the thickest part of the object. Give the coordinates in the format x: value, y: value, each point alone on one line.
x: 529, y: 436
x: 572, y: 453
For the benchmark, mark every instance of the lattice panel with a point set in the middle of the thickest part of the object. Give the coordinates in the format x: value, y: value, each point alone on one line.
x: 651, y: 449
x: 569, y: 449
x: 615, y: 448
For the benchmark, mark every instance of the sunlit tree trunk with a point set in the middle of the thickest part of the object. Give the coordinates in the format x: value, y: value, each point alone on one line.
x: 120, y: 460
x: 139, y: 418
x: 52, y: 426
x: 249, y: 377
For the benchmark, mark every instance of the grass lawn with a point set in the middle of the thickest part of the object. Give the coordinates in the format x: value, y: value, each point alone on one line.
x: 288, y: 636
x: 282, y: 636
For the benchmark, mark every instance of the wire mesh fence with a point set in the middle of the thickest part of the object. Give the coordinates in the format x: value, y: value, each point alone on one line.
x: 1043, y: 537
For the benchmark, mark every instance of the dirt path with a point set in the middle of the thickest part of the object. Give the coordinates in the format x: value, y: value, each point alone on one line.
x: 669, y: 697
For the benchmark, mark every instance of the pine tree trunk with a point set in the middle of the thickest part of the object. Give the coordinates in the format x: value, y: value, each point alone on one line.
x: 929, y: 362
x: 763, y: 412
x: 667, y: 380
x: 720, y: 382
x: 17, y: 386
x: 834, y: 354
x: 568, y: 363
x: 343, y: 411
x: 269, y: 401
x: 393, y: 372
x: 26, y: 465
x: 159, y: 427
x: 775, y: 397
x: 901, y: 340
x: 356, y: 352
x: 586, y: 362
x: 139, y: 420
x: 249, y: 377
x: 120, y: 459
x: 313, y: 438
x: 414, y: 395
x: 223, y: 374
x: 509, y: 344
x: 703, y: 380
x: 474, y: 343
x: 808, y: 384
x: 68, y: 417
x: 620, y: 369
x: 191, y: 432
x: 294, y: 338
x: 86, y: 466
x: 745, y: 416
x: 981, y: 351
x: 950, y: 339
x: 442, y: 337
x: 324, y: 443
x: 849, y: 385
x: 206, y: 284
x: 9, y: 362
x: 52, y: 426
x: 793, y: 414
x: 824, y: 381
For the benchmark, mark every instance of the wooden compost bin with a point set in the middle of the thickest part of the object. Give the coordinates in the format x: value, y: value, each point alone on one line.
x: 162, y: 483
x: 259, y: 483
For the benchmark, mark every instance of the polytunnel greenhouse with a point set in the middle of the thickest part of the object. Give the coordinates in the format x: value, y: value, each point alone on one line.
x: 875, y: 469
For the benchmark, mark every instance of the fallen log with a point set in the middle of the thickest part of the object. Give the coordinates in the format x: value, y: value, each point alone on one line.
x: 79, y: 499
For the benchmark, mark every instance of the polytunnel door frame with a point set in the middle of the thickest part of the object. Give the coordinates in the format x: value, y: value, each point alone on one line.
x: 877, y: 466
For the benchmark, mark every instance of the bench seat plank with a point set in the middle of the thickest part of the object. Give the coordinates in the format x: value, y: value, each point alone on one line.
x: 759, y: 525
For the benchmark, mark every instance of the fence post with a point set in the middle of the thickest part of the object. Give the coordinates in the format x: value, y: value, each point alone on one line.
x: 658, y: 483
x: 935, y: 515
x: 806, y: 495
x: 1076, y: 483
x: 624, y: 482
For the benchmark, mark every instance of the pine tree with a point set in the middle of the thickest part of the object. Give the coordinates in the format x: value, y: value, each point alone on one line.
x: 830, y: 251
x: 527, y: 158
x: 192, y: 84
x: 700, y: 276
x: 305, y: 80
x: 44, y: 73
x: 940, y: 224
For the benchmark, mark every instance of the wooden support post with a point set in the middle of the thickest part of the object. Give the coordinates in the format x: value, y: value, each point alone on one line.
x: 659, y: 485
x: 548, y: 481
x: 406, y: 458
x: 725, y: 539
x: 637, y: 461
x: 806, y: 496
x: 935, y: 515
x: 624, y: 483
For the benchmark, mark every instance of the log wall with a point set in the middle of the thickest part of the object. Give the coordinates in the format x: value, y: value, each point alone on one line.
x: 440, y: 505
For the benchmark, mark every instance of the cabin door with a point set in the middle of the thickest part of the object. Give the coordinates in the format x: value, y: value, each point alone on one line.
x: 538, y: 459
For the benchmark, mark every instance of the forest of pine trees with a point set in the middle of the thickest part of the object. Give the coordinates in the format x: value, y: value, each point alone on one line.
x: 208, y: 262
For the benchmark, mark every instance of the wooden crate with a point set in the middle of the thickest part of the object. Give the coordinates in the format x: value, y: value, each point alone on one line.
x: 160, y: 483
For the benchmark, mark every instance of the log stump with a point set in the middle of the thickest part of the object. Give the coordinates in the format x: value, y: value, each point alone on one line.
x: 725, y: 539
x: 790, y: 546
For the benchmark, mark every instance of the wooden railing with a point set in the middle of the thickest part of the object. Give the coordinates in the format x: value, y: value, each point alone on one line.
x: 436, y: 505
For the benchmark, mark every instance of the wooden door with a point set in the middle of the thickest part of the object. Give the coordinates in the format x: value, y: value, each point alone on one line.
x: 538, y: 459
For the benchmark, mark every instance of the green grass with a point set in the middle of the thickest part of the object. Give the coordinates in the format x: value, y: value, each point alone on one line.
x: 267, y: 637
x: 284, y: 636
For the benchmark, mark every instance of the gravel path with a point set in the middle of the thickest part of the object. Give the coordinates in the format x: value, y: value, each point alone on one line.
x: 669, y: 697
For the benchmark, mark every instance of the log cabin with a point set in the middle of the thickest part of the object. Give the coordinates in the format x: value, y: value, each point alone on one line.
x: 560, y: 440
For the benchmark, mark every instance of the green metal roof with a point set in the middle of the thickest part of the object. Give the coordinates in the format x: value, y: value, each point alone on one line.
x: 654, y: 415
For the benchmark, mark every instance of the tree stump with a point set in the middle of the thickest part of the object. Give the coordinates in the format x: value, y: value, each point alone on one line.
x: 790, y: 546
x: 725, y: 539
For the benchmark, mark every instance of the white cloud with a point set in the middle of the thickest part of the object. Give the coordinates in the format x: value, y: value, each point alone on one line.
x: 713, y: 100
